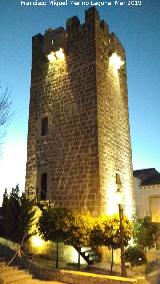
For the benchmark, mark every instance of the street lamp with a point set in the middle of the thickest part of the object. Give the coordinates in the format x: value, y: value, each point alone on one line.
x: 119, y: 202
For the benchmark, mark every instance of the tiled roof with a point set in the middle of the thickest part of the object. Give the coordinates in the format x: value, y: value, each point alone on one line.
x: 147, y: 176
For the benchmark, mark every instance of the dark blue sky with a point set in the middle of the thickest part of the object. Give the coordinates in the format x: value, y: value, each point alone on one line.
x: 138, y: 28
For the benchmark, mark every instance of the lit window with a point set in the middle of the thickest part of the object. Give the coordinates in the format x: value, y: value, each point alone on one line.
x: 43, y: 194
x: 44, y: 126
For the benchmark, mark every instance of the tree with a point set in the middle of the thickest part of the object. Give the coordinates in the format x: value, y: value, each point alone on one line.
x: 3, y: 212
x: 12, y: 209
x: 78, y: 231
x: 66, y: 225
x: 114, y: 239
x: 18, y: 216
x: 106, y: 232
x: 5, y: 108
x: 145, y: 232
x: 53, y: 226
x: 135, y: 256
x: 26, y: 217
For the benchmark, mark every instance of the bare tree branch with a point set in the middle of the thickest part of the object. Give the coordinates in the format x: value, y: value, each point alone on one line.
x: 5, y: 107
x: 6, y: 113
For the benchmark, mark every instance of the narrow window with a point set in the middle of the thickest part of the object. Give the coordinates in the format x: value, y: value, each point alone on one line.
x: 43, y: 195
x: 44, y: 126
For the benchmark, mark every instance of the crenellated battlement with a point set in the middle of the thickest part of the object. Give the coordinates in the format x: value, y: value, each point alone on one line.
x: 116, y: 46
x: 75, y: 32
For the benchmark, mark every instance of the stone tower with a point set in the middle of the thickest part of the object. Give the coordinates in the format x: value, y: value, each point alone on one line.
x: 78, y: 131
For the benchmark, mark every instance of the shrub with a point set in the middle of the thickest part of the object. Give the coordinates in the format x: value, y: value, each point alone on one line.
x: 135, y: 256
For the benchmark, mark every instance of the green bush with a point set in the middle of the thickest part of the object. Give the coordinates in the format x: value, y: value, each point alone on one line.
x: 135, y: 256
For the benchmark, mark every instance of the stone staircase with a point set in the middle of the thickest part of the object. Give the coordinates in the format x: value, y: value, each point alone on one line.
x: 13, y: 275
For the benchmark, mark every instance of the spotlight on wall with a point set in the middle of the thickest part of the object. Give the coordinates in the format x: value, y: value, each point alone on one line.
x: 60, y: 54
x: 56, y: 55
x: 116, y: 61
x: 37, y: 241
x: 51, y: 57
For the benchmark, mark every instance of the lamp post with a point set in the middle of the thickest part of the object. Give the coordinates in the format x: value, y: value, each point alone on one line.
x: 119, y: 202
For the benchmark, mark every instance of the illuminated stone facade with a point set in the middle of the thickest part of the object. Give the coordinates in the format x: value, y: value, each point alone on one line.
x: 78, y: 134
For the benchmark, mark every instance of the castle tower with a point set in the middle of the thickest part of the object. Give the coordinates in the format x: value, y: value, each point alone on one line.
x: 78, y: 132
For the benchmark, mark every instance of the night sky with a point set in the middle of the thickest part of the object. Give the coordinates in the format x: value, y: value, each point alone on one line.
x: 137, y: 27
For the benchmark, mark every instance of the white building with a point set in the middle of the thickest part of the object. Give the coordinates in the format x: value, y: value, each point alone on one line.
x: 147, y: 193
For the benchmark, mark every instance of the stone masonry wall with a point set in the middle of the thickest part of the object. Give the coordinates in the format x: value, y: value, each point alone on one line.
x: 113, y: 124
x: 65, y: 91
x: 88, y: 139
